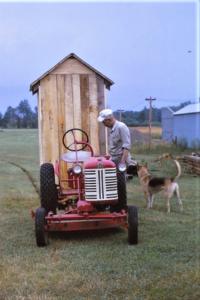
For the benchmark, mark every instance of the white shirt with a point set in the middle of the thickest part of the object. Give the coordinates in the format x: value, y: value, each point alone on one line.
x: 119, y: 138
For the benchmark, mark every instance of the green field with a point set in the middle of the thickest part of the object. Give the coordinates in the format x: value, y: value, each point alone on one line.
x: 99, y: 265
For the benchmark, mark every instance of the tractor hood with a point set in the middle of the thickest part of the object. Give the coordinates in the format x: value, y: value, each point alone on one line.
x: 98, y: 163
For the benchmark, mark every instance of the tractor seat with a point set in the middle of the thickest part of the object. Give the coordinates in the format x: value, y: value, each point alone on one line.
x: 80, y: 156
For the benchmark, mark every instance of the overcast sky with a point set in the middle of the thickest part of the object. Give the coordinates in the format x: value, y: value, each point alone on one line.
x: 146, y: 48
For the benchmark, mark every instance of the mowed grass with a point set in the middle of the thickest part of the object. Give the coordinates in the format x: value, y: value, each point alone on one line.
x: 94, y: 265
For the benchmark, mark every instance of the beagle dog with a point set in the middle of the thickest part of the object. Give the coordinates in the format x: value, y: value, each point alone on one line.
x: 152, y: 185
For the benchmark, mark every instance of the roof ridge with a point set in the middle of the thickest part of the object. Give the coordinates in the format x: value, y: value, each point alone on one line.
x: 34, y: 85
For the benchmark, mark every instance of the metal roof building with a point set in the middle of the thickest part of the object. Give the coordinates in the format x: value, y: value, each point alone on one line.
x: 167, y: 124
x: 182, y: 126
x: 186, y: 125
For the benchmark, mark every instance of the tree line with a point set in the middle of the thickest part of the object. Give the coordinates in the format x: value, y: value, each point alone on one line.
x: 23, y: 116
x: 141, y: 118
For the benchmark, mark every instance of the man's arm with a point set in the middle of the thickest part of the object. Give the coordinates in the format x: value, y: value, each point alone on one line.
x: 126, y: 143
x: 124, y: 155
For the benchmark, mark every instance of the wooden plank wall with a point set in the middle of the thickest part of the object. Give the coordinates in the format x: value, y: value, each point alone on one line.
x: 69, y: 101
x: 101, y: 105
x: 93, y: 113
x: 84, y: 84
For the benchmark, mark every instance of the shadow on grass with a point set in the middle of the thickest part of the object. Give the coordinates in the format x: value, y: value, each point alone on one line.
x: 108, y: 236
x: 85, y: 235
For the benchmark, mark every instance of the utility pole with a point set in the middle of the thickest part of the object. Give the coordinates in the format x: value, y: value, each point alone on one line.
x: 150, y: 99
x: 120, y: 111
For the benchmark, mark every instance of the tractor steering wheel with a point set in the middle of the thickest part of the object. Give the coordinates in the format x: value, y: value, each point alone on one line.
x: 78, y: 137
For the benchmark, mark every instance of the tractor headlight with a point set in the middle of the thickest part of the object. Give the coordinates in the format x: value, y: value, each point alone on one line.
x: 77, y: 169
x: 122, y: 167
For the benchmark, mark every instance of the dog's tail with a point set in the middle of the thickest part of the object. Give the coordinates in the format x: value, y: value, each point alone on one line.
x: 178, y: 168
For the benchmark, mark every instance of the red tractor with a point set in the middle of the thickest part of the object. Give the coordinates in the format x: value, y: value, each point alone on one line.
x: 95, y: 187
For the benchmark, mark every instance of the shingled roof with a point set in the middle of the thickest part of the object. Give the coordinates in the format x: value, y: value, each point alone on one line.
x: 35, y: 84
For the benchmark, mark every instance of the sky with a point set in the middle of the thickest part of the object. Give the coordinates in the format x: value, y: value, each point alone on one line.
x: 148, y: 48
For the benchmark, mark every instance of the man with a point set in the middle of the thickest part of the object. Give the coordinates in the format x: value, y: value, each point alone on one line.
x: 119, y: 137
x: 119, y: 149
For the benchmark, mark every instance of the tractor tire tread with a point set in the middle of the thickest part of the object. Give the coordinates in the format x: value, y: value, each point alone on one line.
x: 40, y: 234
x: 48, y: 190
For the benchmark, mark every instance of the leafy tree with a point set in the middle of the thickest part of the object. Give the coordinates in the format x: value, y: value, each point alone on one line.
x: 143, y: 116
x: 183, y: 104
x: 156, y: 115
x: 140, y: 118
x: 20, y: 117
x: 24, y: 114
x: 10, y: 118
x: 1, y: 119
x: 35, y: 118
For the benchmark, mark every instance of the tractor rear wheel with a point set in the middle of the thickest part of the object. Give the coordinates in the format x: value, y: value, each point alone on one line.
x: 48, y: 190
x: 132, y: 225
x: 40, y: 232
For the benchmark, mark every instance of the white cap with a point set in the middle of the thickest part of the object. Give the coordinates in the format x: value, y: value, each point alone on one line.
x: 105, y: 114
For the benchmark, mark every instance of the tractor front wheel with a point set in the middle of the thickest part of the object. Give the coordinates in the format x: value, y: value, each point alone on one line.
x: 48, y: 190
x: 40, y: 232
x: 132, y: 225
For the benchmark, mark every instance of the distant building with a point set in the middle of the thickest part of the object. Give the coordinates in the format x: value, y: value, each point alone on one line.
x: 167, y: 124
x: 182, y: 126
x: 187, y: 125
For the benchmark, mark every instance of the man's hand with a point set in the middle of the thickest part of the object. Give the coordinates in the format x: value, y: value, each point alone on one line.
x: 124, y: 156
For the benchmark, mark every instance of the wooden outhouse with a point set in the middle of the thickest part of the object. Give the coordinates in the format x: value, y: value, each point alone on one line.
x: 70, y: 95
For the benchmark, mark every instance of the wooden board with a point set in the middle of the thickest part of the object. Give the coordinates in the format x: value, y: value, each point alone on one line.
x: 72, y: 66
x: 45, y: 121
x: 69, y: 105
x: 40, y: 116
x: 84, y: 90
x: 93, y: 114
x: 101, y: 105
x: 76, y: 104
x: 49, y: 119
x: 60, y: 80
x: 53, y: 117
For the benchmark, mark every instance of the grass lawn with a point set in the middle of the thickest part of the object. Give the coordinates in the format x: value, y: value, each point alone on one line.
x: 94, y: 265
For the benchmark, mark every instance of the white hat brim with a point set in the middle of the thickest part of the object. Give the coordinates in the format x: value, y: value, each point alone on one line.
x: 100, y: 119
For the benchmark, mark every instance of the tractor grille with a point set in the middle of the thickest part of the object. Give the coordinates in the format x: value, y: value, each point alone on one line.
x: 100, y: 184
